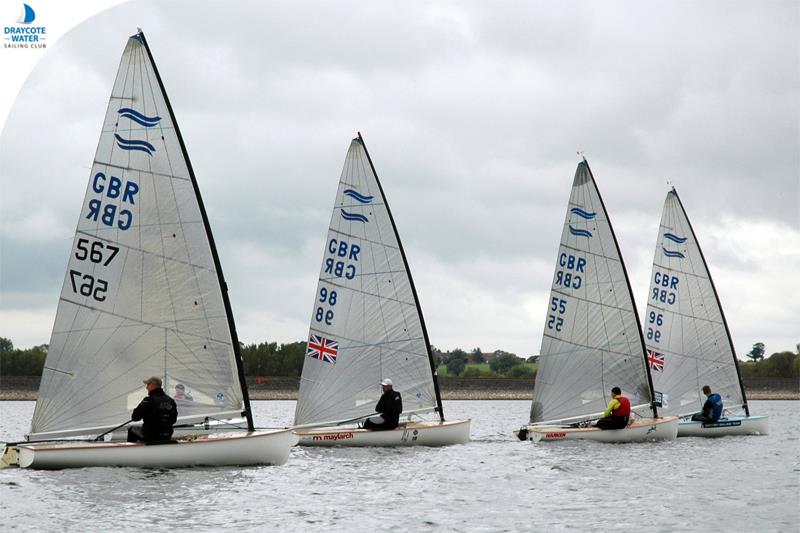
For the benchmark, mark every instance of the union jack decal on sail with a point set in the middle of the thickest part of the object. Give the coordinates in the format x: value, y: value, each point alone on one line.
x: 323, y: 349
x: 656, y: 360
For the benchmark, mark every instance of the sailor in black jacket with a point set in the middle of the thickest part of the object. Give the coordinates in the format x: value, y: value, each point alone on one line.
x: 158, y: 413
x: 390, y: 406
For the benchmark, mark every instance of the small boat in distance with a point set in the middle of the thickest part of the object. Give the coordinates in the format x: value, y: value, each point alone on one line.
x: 143, y: 295
x: 592, y: 339
x: 688, y: 341
x: 367, y: 325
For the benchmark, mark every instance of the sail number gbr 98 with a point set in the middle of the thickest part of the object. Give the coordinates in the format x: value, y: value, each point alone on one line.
x: 98, y: 253
x: 326, y: 298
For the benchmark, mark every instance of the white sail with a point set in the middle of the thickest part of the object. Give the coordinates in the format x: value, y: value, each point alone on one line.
x: 688, y: 344
x: 142, y: 294
x: 365, y: 322
x: 592, y: 340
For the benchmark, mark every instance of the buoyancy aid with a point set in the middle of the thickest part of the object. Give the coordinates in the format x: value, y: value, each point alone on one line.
x: 624, y: 408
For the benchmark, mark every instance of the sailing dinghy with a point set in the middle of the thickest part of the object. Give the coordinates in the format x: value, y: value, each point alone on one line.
x: 592, y: 340
x: 366, y: 325
x: 688, y: 341
x: 143, y: 295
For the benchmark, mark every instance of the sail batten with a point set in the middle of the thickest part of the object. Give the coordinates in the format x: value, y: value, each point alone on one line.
x: 688, y: 340
x: 143, y: 293
x: 366, y: 324
x: 591, y: 340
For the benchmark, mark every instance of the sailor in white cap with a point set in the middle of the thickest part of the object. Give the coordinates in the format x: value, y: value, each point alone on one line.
x: 389, y: 408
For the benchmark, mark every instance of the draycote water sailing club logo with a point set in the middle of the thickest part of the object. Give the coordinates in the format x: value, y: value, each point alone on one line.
x: 24, y: 34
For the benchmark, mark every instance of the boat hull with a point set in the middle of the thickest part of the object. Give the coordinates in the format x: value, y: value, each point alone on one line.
x: 641, y: 430
x: 728, y: 426
x: 411, y: 434
x: 252, y: 448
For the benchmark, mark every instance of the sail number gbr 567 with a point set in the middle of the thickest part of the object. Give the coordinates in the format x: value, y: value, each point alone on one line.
x: 91, y: 253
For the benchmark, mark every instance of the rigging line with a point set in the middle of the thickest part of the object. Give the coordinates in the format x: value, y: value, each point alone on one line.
x: 363, y: 239
x: 92, y: 378
x: 65, y: 395
x: 360, y: 291
x: 123, y: 394
x: 618, y: 307
x: 138, y: 170
x: 363, y: 344
x: 389, y: 262
x: 64, y: 332
x: 362, y: 169
x: 362, y: 274
x: 665, y: 310
x: 210, y: 371
x: 60, y: 354
x: 156, y: 198
x: 150, y: 253
x: 191, y: 373
x: 160, y: 325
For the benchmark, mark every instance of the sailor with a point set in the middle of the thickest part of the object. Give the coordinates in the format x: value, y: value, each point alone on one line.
x: 712, y: 409
x: 389, y: 407
x: 617, y: 413
x: 158, y: 413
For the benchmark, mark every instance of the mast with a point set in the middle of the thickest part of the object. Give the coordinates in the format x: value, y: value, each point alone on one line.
x: 630, y: 292
x: 719, y: 305
x: 411, y: 282
x: 217, y: 265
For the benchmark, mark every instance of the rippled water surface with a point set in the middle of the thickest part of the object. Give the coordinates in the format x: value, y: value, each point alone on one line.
x: 494, y: 483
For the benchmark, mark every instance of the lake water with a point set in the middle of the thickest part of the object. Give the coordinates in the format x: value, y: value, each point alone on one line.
x: 494, y: 483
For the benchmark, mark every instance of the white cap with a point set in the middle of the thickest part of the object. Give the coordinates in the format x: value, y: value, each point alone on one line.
x: 386, y: 381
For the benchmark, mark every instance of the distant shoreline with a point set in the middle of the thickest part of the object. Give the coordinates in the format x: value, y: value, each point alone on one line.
x: 25, y: 388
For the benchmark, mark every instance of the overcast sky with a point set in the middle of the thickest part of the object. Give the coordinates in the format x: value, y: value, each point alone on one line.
x: 472, y: 112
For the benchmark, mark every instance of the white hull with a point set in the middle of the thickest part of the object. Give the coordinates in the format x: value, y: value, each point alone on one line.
x: 410, y: 434
x: 641, y: 430
x: 729, y: 426
x: 231, y: 449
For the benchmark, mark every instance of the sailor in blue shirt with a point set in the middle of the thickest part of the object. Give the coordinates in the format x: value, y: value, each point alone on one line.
x: 712, y: 409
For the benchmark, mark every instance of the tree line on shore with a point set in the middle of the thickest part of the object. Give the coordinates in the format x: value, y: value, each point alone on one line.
x: 272, y: 359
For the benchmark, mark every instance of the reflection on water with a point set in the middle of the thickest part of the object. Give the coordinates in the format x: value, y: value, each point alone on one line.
x: 493, y: 483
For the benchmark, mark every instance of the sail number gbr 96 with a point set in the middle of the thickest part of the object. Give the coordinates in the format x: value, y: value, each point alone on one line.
x: 94, y: 253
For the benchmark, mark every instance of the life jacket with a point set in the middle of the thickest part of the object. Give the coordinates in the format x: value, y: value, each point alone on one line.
x: 716, y: 406
x: 624, y: 408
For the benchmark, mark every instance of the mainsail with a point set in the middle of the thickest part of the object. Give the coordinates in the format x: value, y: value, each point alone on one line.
x: 366, y: 323
x: 592, y: 340
x: 143, y: 293
x: 687, y: 337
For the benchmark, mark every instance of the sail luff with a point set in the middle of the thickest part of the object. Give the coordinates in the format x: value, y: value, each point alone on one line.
x: 411, y: 282
x: 719, y: 305
x: 223, y: 286
x: 630, y: 292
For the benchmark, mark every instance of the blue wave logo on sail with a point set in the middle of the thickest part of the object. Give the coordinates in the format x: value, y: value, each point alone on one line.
x: 674, y: 238
x: 670, y: 253
x: 28, y: 15
x: 144, y: 120
x: 353, y: 216
x: 583, y: 214
x: 130, y: 144
x: 580, y: 232
x: 357, y: 196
